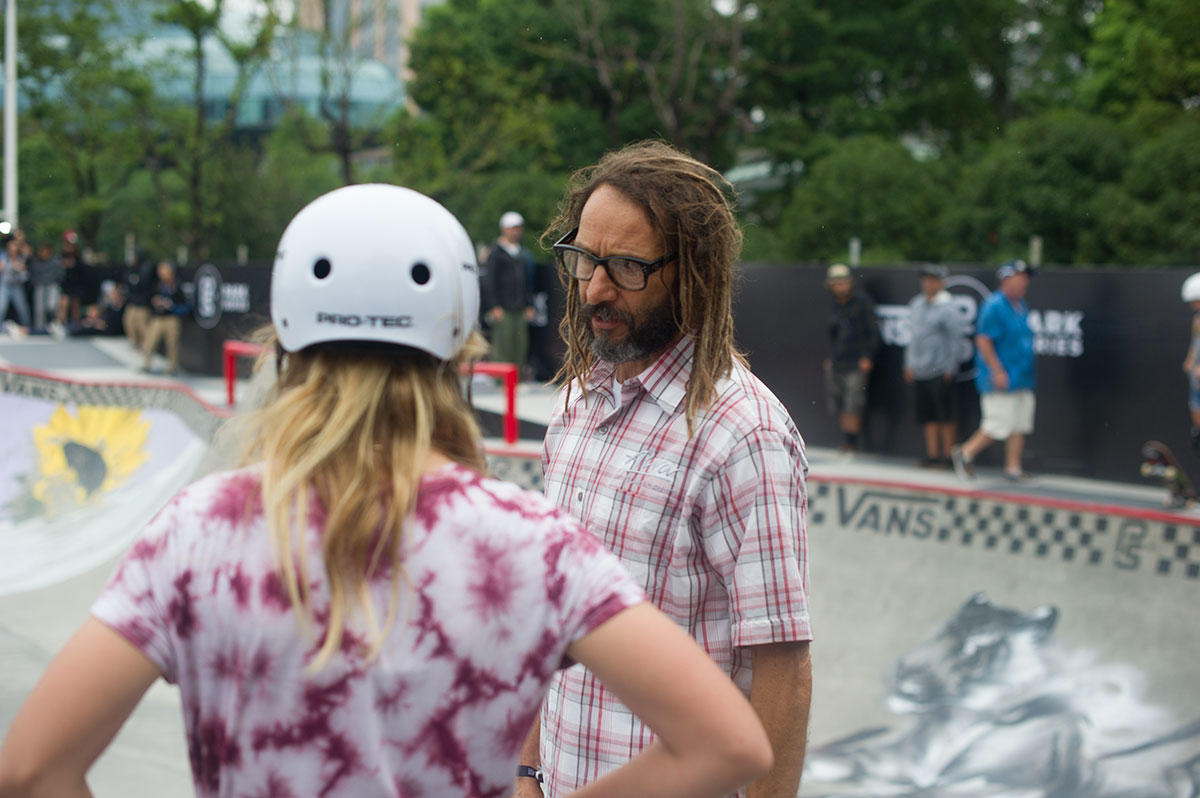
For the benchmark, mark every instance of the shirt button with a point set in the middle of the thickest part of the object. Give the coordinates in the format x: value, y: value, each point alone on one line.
x: 580, y: 495
x: 602, y: 430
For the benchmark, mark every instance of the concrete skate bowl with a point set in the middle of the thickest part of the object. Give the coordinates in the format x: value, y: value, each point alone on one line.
x: 984, y: 644
x: 84, y: 465
x: 995, y: 646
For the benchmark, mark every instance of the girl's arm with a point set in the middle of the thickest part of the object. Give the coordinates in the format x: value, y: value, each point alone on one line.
x: 710, y: 742
x: 81, y: 702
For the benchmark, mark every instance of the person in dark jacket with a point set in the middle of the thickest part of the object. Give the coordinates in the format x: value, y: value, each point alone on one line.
x: 139, y: 285
x: 853, y: 343
x: 167, y: 305
x: 507, y: 292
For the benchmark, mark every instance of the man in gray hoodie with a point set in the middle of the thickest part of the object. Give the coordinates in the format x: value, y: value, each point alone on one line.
x: 931, y: 360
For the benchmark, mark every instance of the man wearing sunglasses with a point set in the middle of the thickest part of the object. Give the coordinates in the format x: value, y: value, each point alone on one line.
x: 670, y: 451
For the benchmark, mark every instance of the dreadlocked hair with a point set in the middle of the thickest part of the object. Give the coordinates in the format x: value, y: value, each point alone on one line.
x: 347, y: 430
x: 691, y: 206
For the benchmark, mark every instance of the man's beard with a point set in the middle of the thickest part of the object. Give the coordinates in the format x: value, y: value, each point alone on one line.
x: 646, y: 335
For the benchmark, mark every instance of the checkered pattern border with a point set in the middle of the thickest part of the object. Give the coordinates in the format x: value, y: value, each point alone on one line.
x: 525, y: 471
x: 1008, y: 528
x: 198, y: 417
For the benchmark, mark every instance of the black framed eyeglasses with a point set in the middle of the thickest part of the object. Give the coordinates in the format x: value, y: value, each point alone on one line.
x: 627, y: 272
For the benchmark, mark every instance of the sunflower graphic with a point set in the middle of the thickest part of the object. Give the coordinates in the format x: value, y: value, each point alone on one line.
x: 82, y: 457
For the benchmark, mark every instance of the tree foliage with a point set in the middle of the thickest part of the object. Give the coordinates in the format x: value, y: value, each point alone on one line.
x: 925, y: 128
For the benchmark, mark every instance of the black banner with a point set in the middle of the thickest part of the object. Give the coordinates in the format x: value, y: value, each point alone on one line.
x: 1110, y: 345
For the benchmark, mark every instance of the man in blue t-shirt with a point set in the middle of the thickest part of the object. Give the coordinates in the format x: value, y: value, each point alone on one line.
x: 1004, y: 374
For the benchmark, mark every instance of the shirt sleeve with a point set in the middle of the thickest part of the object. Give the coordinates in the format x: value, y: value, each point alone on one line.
x: 593, y: 583
x: 757, y: 512
x: 990, y: 324
x: 135, y: 602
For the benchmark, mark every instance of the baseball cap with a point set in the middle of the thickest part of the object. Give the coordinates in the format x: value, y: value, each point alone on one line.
x: 838, y: 271
x: 1009, y: 268
x: 511, y: 219
x: 935, y: 270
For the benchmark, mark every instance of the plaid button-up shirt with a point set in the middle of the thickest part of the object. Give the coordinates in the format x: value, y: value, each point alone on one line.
x: 712, y: 526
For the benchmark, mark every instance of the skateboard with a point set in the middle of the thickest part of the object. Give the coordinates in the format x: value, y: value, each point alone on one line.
x: 1158, y: 461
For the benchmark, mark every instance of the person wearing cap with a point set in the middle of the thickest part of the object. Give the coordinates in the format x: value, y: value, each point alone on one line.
x: 1004, y: 374
x: 853, y: 343
x: 506, y: 286
x: 931, y: 361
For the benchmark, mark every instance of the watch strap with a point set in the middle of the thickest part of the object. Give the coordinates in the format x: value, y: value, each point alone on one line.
x: 524, y: 771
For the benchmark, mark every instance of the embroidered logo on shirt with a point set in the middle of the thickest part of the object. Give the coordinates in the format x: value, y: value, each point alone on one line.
x: 644, y: 472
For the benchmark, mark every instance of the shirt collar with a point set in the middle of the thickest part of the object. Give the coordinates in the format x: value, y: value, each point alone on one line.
x: 665, y: 381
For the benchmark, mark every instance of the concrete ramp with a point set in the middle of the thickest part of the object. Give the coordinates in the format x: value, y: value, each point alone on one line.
x: 83, y: 466
x: 1033, y: 643
x: 977, y: 643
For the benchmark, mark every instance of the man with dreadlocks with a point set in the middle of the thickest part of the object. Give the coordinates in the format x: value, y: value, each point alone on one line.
x: 667, y: 448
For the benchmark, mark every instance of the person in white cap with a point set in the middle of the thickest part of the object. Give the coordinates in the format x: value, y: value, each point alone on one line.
x: 359, y: 610
x: 853, y: 344
x: 506, y: 284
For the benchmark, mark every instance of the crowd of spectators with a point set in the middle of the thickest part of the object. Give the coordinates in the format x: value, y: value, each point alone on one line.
x: 46, y: 290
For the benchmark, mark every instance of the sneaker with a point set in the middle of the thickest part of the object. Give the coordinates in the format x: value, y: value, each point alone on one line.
x: 1017, y: 476
x: 963, y: 467
x: 927, y: 462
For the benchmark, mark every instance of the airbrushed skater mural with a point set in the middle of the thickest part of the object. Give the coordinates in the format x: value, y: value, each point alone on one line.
x: 991, y: 707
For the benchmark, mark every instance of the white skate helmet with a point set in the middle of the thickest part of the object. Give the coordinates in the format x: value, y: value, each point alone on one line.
x: 375, y: 263
x: 1191, y: 288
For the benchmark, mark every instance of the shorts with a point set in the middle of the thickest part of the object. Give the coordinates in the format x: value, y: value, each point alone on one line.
x: 1193, y: 393
x: 1008, y: 413
x: 934, y: 401
x: 846, y: 391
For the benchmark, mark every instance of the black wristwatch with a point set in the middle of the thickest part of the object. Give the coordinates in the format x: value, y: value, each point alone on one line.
x: 524, y: 771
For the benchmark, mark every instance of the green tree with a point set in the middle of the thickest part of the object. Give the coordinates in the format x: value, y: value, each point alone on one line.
x: 868, y: 188
x: 1150, y: 217
x: 206, y: 147
x: 1040, y: 178
x: 1143, y: 50
x: 87, y: 112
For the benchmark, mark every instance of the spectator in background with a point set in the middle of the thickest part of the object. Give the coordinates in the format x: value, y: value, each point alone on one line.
x: 167, y: 305
x: 139, y: 282
x: 103, y: 317
x: 1004, y: 374
x: 47, y: 273
x: 930, y: 363
x: 14, y: 273
x: 853, y: 343
x: 74, y: 294
x: 1191, y: 364
x: 507, y: 292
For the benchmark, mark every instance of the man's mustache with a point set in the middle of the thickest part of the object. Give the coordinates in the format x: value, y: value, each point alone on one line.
x: 606, y: 312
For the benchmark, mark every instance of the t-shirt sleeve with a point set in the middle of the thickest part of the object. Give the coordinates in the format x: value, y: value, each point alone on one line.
x: 135, y: 601
x: 592, y: 583
x: 754, y: 524
x: 991, y: 325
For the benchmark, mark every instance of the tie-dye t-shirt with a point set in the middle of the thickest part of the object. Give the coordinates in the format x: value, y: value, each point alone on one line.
x: 497, y: 583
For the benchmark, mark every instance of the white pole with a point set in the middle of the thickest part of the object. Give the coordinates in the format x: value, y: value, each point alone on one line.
x: 10, y: 112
